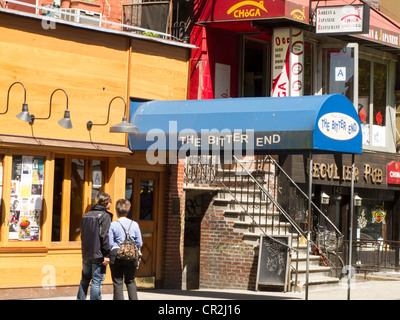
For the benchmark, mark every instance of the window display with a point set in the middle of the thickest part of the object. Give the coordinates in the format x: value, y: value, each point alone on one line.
x: 26, y: 198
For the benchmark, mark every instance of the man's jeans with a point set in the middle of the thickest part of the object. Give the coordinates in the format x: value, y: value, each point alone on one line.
x: 92, y: 270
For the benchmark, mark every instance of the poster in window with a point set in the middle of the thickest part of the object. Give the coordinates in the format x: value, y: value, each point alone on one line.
x: 26, y: 198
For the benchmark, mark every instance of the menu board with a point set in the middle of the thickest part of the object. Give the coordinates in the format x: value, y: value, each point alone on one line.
x: 26, y: 198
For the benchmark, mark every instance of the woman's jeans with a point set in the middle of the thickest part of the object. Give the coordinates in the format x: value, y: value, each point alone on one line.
x: 124, y: 270
x: 92, y: 270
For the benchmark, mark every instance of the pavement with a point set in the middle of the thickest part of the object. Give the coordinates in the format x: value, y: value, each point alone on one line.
x: 375, y: 287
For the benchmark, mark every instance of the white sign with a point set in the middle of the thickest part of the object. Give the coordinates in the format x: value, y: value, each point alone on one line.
x: 288, y: 62
x: 297, y: 63
x: 222, y: 81
x: 280, y: 63
x: 340, y: 74
x: 338, y: 126
x: 342, y: 19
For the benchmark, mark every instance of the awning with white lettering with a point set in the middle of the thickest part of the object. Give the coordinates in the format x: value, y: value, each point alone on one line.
x: 324, y: 123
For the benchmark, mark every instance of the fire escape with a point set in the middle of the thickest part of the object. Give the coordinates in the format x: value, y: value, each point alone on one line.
x: 171, y: 17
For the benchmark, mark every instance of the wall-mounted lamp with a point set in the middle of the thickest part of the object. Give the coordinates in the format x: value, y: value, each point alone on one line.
x: 24, y: 115
x: 357, y: 201
x: 64, y: 122
x: 324, y: 198
x: 122, y: 127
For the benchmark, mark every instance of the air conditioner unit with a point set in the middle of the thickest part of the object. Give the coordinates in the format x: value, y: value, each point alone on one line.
x: 81, y: 16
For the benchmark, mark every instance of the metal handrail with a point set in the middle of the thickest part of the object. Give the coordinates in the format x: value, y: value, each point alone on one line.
x: 304, y: 194
x: 299, y: 230
x: 277, y: 205
x: 206, y: 172
x: 252, y: 218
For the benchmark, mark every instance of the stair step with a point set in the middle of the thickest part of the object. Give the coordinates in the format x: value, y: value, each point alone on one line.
x: 250, y: 218
x: 229, y: 198
x: 314, y: 283
x: 314, y: 269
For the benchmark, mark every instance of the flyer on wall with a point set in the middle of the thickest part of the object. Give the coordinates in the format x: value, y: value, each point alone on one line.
x: 26, y: 198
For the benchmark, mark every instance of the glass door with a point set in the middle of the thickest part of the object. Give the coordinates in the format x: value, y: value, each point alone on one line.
x: 340, y: 70
x: 142, y: 191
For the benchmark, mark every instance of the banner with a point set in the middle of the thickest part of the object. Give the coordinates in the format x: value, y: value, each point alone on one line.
x: 287, y: 62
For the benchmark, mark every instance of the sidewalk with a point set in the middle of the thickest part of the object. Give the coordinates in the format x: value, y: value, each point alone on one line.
x: 359, y: 290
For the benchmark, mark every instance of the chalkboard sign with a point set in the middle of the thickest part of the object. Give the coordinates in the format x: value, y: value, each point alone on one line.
x: 273, y: 261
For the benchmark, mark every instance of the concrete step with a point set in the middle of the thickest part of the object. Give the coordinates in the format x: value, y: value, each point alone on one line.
x: 314, y: 283
x: 268, y: 228
x: 260, y: 216
x: 301, y: 260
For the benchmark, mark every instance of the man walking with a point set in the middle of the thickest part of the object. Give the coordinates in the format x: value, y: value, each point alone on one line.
x: 95, y: 247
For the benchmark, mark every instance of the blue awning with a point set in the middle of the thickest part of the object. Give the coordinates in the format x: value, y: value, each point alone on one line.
x: 324, y: 123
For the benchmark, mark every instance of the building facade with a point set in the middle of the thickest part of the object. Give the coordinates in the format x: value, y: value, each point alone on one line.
x: 288, y: 48
x: 195, y: 234
x: 51, y: 171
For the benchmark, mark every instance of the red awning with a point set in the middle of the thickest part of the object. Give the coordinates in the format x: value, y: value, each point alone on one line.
x: 242, y: 16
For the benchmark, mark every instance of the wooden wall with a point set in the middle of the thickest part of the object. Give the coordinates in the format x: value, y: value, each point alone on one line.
x: 158, y: 72
x: 91, y: 66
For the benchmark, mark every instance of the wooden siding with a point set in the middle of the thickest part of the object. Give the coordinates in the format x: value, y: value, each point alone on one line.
x: 158, y: 71
x: 91, y: 66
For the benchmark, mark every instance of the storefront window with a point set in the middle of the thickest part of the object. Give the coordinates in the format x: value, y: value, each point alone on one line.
x: 380, y: 76
x: 26, y: 198
x: 146, y: 199
x: 372, y: 221
x: 308, y: 68
x: 372, y: 101
x: 98, y: 174
x: 57, y: 199
x: 77, y: 198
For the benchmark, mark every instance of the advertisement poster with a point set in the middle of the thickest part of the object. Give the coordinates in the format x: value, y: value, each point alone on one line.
x: 287, y: 63
x: 280, y: 63
x: 26, y: 198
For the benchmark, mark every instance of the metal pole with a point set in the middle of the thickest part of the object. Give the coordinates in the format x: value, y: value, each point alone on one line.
x: 350, y: 228
x: 309, y: 222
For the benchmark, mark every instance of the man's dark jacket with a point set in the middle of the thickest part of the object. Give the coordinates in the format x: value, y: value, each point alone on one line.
x: 95, y: 226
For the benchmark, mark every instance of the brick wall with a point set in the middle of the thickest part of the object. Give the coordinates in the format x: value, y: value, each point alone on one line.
x: 174, y: 228
x: 226, y: 261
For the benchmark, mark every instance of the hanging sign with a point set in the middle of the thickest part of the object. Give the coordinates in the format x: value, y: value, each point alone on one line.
x: 280, y: 63
x: 342, y: 19
x: 338, y: 126
x: 288, y: 62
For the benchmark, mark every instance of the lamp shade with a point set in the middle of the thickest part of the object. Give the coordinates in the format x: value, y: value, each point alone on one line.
x: 66, y: 121
x: 24, y: 114
x: 124, y: 127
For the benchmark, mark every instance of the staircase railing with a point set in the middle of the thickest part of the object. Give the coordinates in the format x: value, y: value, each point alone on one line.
x: 327, y: 240
x: 254, y: 186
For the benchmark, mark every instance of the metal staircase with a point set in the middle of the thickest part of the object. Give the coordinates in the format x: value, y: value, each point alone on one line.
x: 250, y: 189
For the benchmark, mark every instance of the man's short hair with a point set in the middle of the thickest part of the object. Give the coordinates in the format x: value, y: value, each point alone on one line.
x: 123, y: 207
x: 103, y: 199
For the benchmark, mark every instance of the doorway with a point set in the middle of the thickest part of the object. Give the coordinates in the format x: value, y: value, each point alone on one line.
x: 340, y: 70
x: 255, y: 68
x: 142, y: 190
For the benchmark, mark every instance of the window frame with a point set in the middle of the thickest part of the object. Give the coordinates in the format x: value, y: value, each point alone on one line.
x: 66, y: 195
x: 390, y: 111
x: 5, y: 242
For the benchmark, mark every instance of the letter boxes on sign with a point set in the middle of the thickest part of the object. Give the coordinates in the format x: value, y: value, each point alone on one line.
x: 393, y: 172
